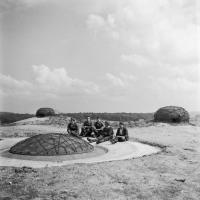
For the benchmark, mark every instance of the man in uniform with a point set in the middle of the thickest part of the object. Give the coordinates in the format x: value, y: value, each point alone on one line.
x: 106, y: 134
x: 98, y: 127
x: 72, y: 127
x: 87, y: 128
x: 121, y: 135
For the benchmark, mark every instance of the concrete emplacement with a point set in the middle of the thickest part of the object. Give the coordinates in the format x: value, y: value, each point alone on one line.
x: 102, y: 152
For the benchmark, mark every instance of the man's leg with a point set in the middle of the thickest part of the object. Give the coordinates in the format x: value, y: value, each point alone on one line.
x: 114, y: 140
x: 98, y: 133
x: 82, y: 134
x: 89, y: 132
x: 92, y: 139
x: 85, y: 132
x: 121, y: 139
x: 96, y: 139
x: 104, y: 139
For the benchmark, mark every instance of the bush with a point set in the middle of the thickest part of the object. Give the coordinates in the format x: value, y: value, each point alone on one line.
x: 7, y: 117
x: 124, y: 117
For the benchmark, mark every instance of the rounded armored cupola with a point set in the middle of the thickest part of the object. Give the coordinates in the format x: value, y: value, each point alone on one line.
x: 51, y: 144
x: 171, y: 114
x: 45, y: 112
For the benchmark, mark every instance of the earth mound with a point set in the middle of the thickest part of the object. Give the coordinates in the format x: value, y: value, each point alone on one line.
x: 51, y: 144
x: 45, y: 112
x: 171, y: 114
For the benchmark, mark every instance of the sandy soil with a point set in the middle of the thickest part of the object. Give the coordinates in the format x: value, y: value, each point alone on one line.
x: 171, y: 174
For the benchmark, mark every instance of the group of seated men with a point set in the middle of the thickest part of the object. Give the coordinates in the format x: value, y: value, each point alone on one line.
x: 98, y: 132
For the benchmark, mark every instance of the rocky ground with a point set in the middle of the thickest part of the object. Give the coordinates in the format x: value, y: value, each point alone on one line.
x: 172, y: 174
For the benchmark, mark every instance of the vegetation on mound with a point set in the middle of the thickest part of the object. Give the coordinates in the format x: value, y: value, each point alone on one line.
x: 125, y: 117
x: 8, y: 117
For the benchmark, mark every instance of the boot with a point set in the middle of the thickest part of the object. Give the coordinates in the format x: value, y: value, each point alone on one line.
x: 113, y: 141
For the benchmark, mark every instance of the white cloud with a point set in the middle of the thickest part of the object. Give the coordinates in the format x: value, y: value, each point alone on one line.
x: 136, y: 60
x: 118, y: 87
x: 59, y: 81
x: 178, y: 84
x: 54, y: 78
x: 6, y: 4
x: 48, y: 82
x: 123, y: 80
x: 116, y: 81
x: 168, y: 29
x: 154, y: 38
x: 97, y: 23
x: 163, y: 36
x: 165, y: 30
x: 11, y: 86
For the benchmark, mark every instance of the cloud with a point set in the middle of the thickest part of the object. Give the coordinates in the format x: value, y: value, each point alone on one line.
x: 178, y: 84
x: 123, y: 80
x: 95, y: 22
x: 11, y: 86
x: 7, y: 4
x: 98, y: 24
x: 48, y: 82
x: 161, y: 36
x: 57, y: 83
x: 164, y: 30
x: 136, y: 60
x: 116, y: 81
x: 152, y: 34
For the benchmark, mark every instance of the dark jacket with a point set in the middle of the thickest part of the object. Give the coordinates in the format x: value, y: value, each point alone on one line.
x: 72, y: 127
x: 98, y: 125
x: 123, y: 132
x: 108, y: 131
x: 86, y: 123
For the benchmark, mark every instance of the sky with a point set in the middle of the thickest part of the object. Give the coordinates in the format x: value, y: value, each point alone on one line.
x: 99, y: 55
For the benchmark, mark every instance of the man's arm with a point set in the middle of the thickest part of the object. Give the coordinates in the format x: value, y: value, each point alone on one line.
x: 102, y: 126
x: 86, y: 125
x: 99, y: 128
x: 77, y: 129
x: 111, y: 132
x: 68, y: 129
x: 126, y: 134
x: 117, y: 133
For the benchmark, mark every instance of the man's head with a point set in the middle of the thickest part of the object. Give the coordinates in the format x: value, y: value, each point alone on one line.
x: 73, y: 120
x: 107, y: 123
x: 98, y: 119
x: 121, y: 124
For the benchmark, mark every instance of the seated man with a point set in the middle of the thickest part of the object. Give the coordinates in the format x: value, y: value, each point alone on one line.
x: 106, y: 134
x: 87, y: 128
x: 98, y: 127
x: 72, y: 127
x: 121, y: 135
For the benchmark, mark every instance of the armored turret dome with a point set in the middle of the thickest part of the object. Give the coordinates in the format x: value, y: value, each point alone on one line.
x: 171, y: 114
x: 45, y: 112
x: 51, y: 144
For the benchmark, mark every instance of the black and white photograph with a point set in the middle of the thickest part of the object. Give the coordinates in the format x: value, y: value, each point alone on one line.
x: 99, y: 99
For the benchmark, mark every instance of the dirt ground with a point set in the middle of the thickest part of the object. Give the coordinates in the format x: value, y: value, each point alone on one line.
x: 172, y: 174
